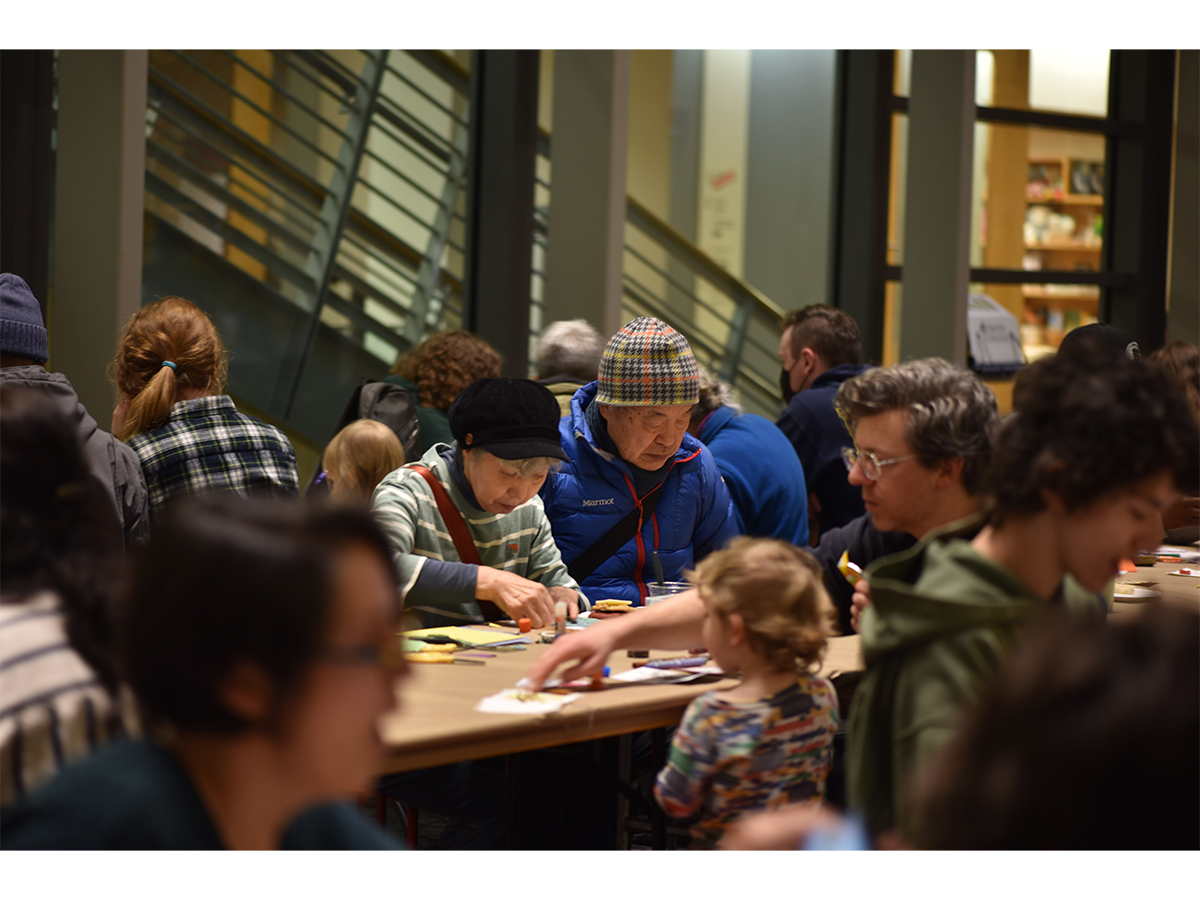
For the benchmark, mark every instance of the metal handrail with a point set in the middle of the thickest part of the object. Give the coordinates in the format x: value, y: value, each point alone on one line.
x: 445, y: 67
x: 277, y: 88
x: 273, y: 161
x: 417, y: 89
x: 275, y: 121
x: 234, y: 164
x: 278, y: 165
x: 696, y: 259
x: 186, y: 170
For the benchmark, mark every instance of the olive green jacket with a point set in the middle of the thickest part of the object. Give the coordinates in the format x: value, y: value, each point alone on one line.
x: 941, y: 619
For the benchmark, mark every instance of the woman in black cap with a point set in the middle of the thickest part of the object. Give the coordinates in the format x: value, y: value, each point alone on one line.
x: 466, y: 525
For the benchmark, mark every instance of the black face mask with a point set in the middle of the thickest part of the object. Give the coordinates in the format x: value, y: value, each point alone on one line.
x: 785, y: 385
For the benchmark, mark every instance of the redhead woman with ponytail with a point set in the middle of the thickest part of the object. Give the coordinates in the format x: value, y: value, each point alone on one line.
x: 170, y: 368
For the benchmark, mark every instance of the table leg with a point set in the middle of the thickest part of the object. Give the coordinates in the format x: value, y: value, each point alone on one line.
x: 510, y: 802
x: 624, y: 775
x: 658, y: 819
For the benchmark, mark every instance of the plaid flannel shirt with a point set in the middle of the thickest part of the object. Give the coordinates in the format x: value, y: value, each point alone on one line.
x: 206, y: 443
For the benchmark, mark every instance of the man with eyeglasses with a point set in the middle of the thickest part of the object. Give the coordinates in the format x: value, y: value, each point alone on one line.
x: 923, y: 431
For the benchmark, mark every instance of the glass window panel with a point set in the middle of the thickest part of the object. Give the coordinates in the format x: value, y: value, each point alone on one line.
x: 1069, y: 81
x: 1063, y: 81
x: 1066, y: 81
x: 1040, y: 199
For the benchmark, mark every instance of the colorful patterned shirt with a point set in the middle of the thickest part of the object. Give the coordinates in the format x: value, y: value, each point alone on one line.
x: 732, y: 757
x: 206, y: 443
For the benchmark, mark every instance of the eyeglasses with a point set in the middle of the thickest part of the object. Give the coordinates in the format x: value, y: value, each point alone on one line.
x: 387, y: 656
x: 868, y: 463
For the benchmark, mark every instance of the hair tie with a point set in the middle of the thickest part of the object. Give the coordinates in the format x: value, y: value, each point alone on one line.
x: 167, y: 362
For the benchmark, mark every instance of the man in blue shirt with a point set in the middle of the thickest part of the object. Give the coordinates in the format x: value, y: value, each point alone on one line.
x: 819, y: 350
x: 764, y: 478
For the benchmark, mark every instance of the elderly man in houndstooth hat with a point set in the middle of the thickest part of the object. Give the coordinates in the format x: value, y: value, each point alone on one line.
x: 637, y: 485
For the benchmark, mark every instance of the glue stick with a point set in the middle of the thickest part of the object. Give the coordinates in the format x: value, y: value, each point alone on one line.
x: 560, y: 617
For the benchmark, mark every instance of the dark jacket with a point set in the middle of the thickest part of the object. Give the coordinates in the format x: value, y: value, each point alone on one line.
x: 862, y: 543
x: 818, y: 434
x: 134, y: 795
x: 762, y: 473
x: 590, y: 494
x: 114, y: 463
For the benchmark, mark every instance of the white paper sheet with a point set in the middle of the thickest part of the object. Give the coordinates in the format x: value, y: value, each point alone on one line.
x: 649, y: 675
x: 513, y: 701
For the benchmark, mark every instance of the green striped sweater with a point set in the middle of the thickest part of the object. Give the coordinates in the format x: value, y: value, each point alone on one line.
x: 519, y: 542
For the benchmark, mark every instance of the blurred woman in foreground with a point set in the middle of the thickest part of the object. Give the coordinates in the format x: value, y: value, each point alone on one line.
x: 259, y: 639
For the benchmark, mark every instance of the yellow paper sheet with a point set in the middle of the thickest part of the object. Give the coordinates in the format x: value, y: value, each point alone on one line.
x: 466, y: 635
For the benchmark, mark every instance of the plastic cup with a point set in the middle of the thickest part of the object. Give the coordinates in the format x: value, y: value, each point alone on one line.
x: 659, y: 592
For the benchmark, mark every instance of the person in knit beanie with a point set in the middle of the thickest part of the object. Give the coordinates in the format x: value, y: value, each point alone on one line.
x: 22, y: 333
x: 24, y: 352
x: 632, y: 463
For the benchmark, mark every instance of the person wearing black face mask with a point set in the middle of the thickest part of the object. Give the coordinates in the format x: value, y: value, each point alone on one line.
x: 820, y: 349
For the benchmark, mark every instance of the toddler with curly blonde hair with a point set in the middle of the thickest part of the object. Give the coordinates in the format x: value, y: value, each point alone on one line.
x: 767, y: 741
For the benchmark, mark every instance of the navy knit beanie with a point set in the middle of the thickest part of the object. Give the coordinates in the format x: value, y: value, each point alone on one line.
x: 21, y: 330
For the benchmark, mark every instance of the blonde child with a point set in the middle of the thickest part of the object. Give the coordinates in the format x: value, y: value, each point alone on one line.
x: 768, y: 741
x: 359, y: 456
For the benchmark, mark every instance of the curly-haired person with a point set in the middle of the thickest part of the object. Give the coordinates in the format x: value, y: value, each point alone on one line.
x: 436, y: 371
x: 768, y: 741
x: 1079, y: 476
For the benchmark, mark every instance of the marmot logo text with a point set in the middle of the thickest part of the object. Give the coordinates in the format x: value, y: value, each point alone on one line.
x: 611, y: 501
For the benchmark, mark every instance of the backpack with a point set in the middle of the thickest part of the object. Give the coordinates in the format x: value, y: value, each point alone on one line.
x: 387, y: 403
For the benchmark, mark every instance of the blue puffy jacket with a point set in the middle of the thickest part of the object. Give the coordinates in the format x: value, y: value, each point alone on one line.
x: 590, y: 494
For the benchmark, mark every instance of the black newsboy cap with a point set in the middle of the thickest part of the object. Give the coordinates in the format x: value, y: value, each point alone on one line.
x: 511, y: 418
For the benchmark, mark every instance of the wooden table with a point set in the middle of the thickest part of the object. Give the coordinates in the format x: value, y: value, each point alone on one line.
x: 437, y: 724
x: 1174, y: 588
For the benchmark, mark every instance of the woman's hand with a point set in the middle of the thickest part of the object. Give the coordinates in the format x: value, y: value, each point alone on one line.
x: 567, y: 596
x: 517, y: 596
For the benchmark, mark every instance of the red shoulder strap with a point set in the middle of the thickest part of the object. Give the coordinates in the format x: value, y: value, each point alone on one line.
x: 459, y: 533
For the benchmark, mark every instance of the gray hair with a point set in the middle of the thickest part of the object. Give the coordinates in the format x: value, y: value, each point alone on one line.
x: 952, y: 414
x: 530, y: 465
x: 714, y: 393
x: 570, y: 347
